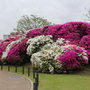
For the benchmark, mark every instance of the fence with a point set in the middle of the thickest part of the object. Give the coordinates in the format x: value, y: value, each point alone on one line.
x: 35, y: 74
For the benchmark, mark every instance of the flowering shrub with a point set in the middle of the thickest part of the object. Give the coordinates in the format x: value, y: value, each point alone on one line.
x: 11, y: 45
x: 4, y: 44
x: 45, y: 60
x: 51, y: 48
x: 85, y: 42
x: 17, y: 54
x: 72, y: 57
x: 59, y: 56
x: 72, y: 31
x: 35, y: 44
x: 33, y: 33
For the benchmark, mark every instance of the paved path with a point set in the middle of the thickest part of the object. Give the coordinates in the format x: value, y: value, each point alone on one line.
x: 11, y: 81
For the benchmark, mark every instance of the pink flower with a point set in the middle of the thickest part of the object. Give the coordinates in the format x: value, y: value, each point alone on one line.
x: 17, y: 54
x: 69, y: 60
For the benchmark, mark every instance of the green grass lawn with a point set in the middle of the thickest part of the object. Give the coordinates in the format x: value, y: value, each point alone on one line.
x: 64, y: 82
x: 76, y: 81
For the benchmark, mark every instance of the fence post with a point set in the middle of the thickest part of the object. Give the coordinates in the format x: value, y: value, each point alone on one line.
x: 23, y: 70
x: 16, y: 69
x: 35, y: 86
x: 37, y: 78
x: 28, y: 71
x: 8, y: 67
x: 1, y: 67
x: 33, y: 73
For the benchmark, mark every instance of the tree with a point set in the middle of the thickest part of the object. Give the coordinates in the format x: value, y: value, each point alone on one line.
x: 26, y: 23
x: 87, y: 15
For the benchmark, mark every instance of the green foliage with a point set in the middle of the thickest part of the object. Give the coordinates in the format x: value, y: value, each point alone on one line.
x: 26, y: 23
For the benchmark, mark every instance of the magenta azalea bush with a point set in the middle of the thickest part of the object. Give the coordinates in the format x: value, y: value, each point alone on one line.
x: 4, y: 44
x: 17, y: 54
x: 72, y: 55
x: 33, y: 33
x: 72, y: 31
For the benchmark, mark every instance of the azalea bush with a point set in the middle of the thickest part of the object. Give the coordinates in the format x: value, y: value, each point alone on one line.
x: 72, y: 31
x: 72, y: 57
x: 55, y: 59
x: 33, y: 33
x: 11, y: 45
x: 45, y: 60
x: 17, y: 54
x: 35, y: 44
x: 51, y: 49
x: 4, y: 44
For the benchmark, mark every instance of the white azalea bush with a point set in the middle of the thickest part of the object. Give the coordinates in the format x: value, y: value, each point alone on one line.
x: 45, y: 60
x: 35, y: 44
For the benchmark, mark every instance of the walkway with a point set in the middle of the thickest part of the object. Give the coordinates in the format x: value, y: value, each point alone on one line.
x: 12, y: 81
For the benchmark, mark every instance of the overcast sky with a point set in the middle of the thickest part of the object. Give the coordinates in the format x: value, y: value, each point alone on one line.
x: 55, y: 11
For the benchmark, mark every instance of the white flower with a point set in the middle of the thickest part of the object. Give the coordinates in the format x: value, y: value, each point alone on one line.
x: 35, y: 44
x: 51, y: 69
x: 84, y: 57
x: 62, y: 41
